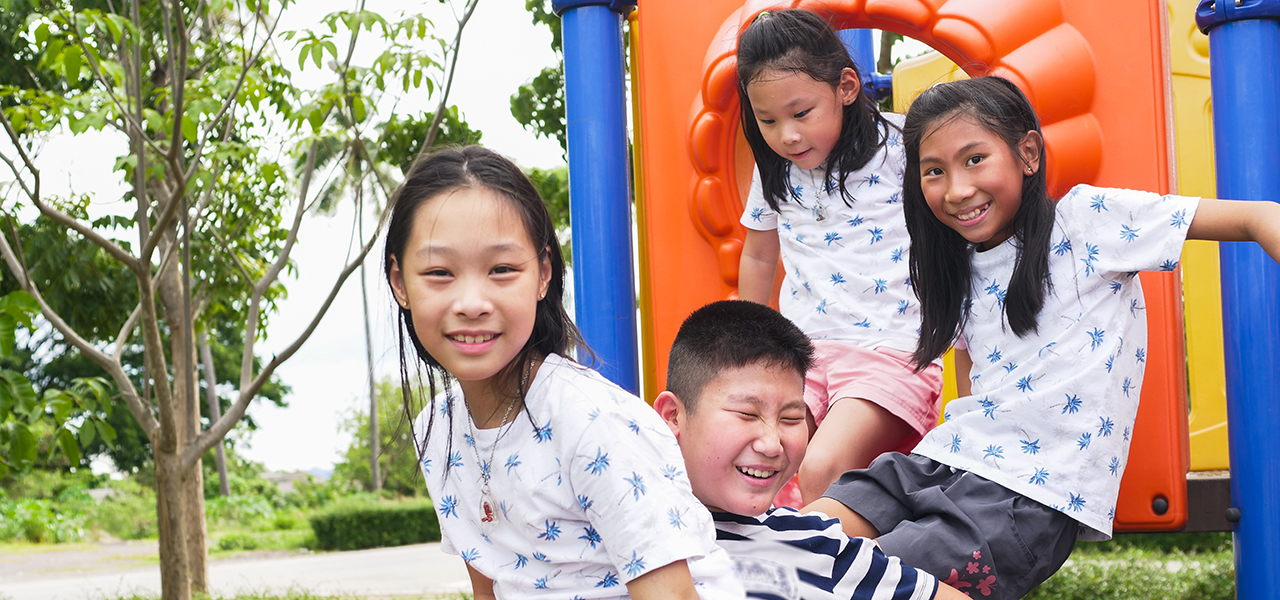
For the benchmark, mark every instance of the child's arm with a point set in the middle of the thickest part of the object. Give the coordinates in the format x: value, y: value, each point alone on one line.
x: 668, y: 581
x: 1238, y: 221
x: 758, y: 266
x: 481, y: 586
x: 964, y: 366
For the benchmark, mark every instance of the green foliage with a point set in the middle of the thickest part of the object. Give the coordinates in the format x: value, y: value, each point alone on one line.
x: 129, y: 513
x: 538, y: 105
x: 39, y: 522
x: 553, y: 186
x: 398, y: 462
x: 360, y: 526
x: 403, y: 137
x: 1146, y: 565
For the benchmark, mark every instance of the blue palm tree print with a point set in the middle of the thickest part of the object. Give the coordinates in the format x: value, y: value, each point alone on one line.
x: 1076, y: 503
x: 1011, y: 367
x: 521, y: 561
x: 466, y: 437
x: 446, y: 407
x: 484, y: 469
x: 1099, y: 202
x: 1111, y: 362
x: 599, y: 464
x: 1030, y: 447
x: 1062, y: 247
x: 955, y: 443
x: 1024, y: 384
x: 1116, y: 286
x: 876, y: 234
x: 832, y: 237
x: 1090, y: 261
x: 543, y: 433
x: 1039, y: 477
x: 591, y: 416
x: 541, y: 583
x: 855, y: 221
x: 993, y: 451
x: 675, y: 518
x: 896, y: 255
x: 1105, y: 427
x: 822, y: 306
x: 995, y: 355
x: 903, y: 305
x: 1179, y: 219
x: 881, y: 285
x: 671, y: 472
x: 584, y: 502
x: 470, y: 554
x: 994, y: 288
x: 589, y: 534
x: 426, y: 466
x: 797, y: 192
x: 872, y: 179
x: 635, y: 566
x: 1084, y: 440
x: 455, y: 459
x: 1115, y: 465
x: 634, y: 427
x: 837, y: 279
x: 893, y: 198
x: 551, y: 531
x: 540, y: 557
x: 864, y: 323
x: 637, y: 484
x: 1096, y: 338
x: 513, y: 461
x: 756, y: 213
x: 786, y: 225
x: 1128, y: 233
x: 1168, y: 265
x: 1141, y: 355
x: 609, y: 580
x: 799, y: 239
x: 449, y: 506
x: 1072, y: 405
x: 1127, y: 432
x: 1128, y: 385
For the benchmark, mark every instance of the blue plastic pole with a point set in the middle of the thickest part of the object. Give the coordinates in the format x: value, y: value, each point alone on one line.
x: 599, y: 185
x: 1244, y: 55
x: 861, y: 46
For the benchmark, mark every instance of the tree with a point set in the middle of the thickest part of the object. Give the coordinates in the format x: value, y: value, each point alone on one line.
x: 539, y: 104
x: 200, y: 94
x: 400, y: 458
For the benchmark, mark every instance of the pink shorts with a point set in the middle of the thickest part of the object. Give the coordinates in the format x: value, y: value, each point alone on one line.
x: 882, y: 376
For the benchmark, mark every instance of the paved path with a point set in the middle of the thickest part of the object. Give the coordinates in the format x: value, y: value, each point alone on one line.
x: 87, y: 574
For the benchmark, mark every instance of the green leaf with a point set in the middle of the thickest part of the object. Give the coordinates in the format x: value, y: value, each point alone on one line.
x: 22, y: 446
x: 8, y: 325
x: 19, y: 387
x: 42, y: 34
x: 188, y: 128
x: 71, y: 60
x: 87, y: 433
x: 67, y: 441
x: 357, y: 110
x: 107, y: 432
x: 317, y: 53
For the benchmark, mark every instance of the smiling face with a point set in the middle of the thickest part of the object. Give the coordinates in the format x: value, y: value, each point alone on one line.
x: 972, y: 179
x: 471, y: 279
x: 746, y: 438
x: 800, y: 117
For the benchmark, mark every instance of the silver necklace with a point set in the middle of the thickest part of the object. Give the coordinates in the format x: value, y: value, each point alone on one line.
x: 489, y: 515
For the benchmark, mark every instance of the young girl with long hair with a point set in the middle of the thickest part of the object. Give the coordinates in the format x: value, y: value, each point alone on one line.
x: 1046, y: 296
x: 826, y: 198
x: 547, y: 478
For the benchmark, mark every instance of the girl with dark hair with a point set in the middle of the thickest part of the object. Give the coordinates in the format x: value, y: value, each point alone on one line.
x: 547, y: 478
x: 826, y: 198
x: 1046, y: 297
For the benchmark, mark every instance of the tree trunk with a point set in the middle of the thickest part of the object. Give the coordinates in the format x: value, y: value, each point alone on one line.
x: 175, y: 580
x: 885, y: 63
x: 375, y: 445
x: 215, y: 410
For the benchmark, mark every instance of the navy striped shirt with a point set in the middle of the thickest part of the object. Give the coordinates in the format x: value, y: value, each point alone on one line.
x: 784, y: 555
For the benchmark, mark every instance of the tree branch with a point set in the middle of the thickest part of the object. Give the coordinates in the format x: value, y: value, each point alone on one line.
x: 453, y: 68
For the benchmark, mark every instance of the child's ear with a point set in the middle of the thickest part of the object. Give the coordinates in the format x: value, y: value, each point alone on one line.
x: 544, y: 273
x: 397, y: 282
x: 849, y: 87
x: 671, y: 409
x: 1031, y: 147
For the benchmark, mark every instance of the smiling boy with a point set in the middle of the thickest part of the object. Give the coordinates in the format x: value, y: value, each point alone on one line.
x: 735, y: 402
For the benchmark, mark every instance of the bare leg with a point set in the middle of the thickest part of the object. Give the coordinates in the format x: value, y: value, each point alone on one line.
x: 853, y: 434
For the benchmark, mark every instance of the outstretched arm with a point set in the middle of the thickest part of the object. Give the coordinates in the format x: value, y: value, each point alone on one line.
x: 758, y: 266
x: 481, y: 586
x: 1238, y: 221
x: 668, y: 581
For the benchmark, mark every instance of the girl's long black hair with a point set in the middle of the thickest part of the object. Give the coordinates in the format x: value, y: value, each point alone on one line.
x: 941, y: 272
x: 474, y: 167
x: 799, y: 41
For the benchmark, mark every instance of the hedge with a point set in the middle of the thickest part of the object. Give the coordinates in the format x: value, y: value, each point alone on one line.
x: 356, y: 527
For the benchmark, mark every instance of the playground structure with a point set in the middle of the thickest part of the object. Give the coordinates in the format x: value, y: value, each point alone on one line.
x: 1114, y: 83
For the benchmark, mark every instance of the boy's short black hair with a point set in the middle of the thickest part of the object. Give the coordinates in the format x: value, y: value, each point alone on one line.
x: 730, y: 334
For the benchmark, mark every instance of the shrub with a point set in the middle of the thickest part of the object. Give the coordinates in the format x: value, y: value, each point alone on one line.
x: 39, y: 521
x: 129, y: 513
x: 360, y: 526
x: 237, y: 541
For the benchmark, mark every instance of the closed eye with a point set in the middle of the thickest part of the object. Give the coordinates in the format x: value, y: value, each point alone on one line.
x: 765, y: 121
x: 801, y: 114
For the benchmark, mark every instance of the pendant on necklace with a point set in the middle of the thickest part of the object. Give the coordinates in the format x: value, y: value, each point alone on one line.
x: 820, y: 212
x: 487, y: 509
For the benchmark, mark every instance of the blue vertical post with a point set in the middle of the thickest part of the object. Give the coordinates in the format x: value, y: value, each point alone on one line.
x: 861, y: 46
x: 1244, y: 59
x: 599, y: 185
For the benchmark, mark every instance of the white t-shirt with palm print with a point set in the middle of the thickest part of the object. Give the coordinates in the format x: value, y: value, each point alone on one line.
x: 590, y: 495
x: 846, y: 265
x: 1051, y: 414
